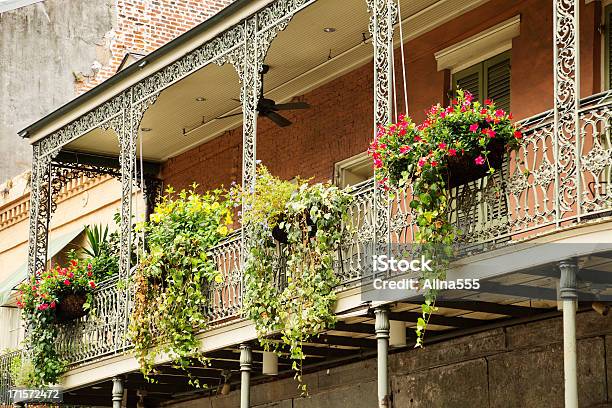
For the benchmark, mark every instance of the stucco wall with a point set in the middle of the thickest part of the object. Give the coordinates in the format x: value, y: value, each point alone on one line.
x: 513, y: 367
x: 41, y: 45
x: 339, y: 123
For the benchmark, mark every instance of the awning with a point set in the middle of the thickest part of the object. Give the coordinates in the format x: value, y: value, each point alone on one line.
x: 20, y: 274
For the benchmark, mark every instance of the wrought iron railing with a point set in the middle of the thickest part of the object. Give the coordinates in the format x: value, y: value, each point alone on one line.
x: 8, y: 365
x: 546, y: 185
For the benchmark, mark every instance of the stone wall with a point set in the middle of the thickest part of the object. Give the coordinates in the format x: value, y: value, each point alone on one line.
x: 514, y: 366
x: 41, y: 46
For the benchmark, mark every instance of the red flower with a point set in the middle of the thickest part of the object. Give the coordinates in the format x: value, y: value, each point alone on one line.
x: 479, y: 160
x: 404, y: 149
x: 421, y: 162
x: 483, y: 111
x: 488, y: 102
x: 417, y: 138
x: 89, y: 267
x: 442, y: 146
x: 518, y: 134
x: 73, y: 262
x: 43, y: 306
x: 67, y: 282
x: 19, y: 305
x: 92, y: 284
x: 500, y: 112
x: 52, y: 305
x: 89, y: 273
x: 474, y: 127
x: 452, y: 152
x: 434, y: 163
x: 468, y: 97
x: 489, y: 132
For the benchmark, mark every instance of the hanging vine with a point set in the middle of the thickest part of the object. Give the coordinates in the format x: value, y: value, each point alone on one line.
x: 296, y: 299
x: 173, y: 277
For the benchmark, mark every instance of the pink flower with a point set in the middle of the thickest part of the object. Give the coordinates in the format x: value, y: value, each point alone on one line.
x: 518, y: 134
x: 500, y: 112
x: 452, y: 152
x: 468, y: 97
x: 442, y: 146
x: 52, y: 305
x: 43, y: 306
x: 434, y: 163
x: 417, y: 138
x: 479, y: 160
x: 422, y: 162
x: 89, y: 267
x: 92, y: 284
x: 378, y: 163
x: 489, y: 132
x: 483, y: 111
x: 488, y: 102
x: 67, y: 282
x: 404, y: 149
x: 474, y: 127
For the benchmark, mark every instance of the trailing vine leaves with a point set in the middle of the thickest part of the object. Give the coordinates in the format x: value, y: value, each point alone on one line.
x: 296, y: 298
x: 173, y: 277
x: 405, y: 154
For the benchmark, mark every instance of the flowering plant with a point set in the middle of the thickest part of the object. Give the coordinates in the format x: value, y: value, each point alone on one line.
x: 174, y: 274
x: 465, y: 134
x: 39, y: 298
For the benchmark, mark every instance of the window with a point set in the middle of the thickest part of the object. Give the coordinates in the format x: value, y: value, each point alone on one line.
x: 353, y: 170
x: 489, y: 79
x: 10, y: 320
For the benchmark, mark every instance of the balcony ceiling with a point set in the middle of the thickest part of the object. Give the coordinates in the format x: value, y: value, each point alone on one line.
x: 299, y: 59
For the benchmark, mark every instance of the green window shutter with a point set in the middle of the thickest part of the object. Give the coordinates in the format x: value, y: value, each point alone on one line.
x: 469, y: 79
x: 608, y: 47
x: 497, y: 80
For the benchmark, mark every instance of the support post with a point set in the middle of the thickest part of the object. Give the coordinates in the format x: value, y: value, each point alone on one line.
x: 569, y: 296
x: 117, y: 392
x: 246, y: 362
x: 382, y: 340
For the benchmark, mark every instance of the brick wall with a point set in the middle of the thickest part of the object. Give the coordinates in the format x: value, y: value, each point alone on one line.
x: 518, y: 366
x: 339, y: 124
x: 141, y: 27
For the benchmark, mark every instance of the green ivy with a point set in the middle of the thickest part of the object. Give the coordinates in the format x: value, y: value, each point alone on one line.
x: 304, y: 307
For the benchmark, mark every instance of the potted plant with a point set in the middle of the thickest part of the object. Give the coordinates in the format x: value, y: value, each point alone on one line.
x: 174, y: 274
x: 310, y: 217
x: 454, y: 145
x: 49, y: 297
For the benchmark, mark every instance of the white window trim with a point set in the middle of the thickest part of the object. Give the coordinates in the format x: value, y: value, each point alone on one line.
x: 348, y: 163
x: 479, y: 47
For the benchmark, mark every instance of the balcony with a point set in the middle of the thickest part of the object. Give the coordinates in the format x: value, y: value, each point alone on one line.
x: 545, y: 188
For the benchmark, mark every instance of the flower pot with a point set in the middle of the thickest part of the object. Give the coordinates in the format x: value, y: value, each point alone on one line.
x: 462, y: 169
x: 70, y: 307
x: 280, y: 234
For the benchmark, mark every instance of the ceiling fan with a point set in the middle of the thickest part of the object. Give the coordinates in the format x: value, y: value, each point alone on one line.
x: 268, y: 107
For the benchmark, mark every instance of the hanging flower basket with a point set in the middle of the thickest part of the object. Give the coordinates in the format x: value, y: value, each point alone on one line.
x: 454, y: 145
x: 280, y: 234
x: 71, y: 307
x: 462, y: 169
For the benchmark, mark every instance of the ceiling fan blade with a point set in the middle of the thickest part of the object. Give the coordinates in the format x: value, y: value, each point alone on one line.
x: 235, y: 99
x: 278, y: 119
x: 291, y: 105
x: 229, y: 116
